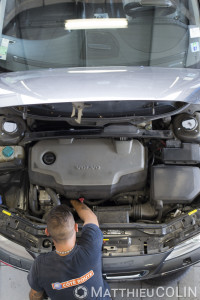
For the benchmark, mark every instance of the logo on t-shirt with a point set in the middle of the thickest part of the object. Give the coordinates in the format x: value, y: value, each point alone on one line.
x: 57, y: 286
x: 72, y: 282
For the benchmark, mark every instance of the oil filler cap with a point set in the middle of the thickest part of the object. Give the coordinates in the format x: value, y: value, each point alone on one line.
x: 49, y: 158
x: 8, y: 151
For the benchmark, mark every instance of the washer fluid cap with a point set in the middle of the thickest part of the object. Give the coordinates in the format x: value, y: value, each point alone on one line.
x: 8, y: 151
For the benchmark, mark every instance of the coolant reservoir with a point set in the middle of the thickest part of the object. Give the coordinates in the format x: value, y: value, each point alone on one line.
x: 10, y: 153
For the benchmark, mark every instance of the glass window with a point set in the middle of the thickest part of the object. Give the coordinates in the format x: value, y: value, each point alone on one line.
x: 62, y: 33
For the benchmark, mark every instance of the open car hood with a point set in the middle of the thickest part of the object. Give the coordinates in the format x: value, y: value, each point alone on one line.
x: 99, y: 84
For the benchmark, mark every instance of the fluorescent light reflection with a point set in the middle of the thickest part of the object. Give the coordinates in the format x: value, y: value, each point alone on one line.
x: 95, y: 71
x: 78, y: 24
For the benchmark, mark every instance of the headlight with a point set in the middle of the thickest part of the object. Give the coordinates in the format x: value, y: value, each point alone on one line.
x: 186, y: 247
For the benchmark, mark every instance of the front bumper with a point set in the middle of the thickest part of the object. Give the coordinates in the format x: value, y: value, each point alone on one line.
x: 114, y: 269
x: 146, y: 267
x: 130, y: 251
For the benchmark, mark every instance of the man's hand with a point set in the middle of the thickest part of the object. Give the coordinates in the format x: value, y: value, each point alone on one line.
x: 34, y: 295
x: 84, y: 212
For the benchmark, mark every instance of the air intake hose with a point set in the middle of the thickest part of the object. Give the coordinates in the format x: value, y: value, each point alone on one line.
x: 143, y: 212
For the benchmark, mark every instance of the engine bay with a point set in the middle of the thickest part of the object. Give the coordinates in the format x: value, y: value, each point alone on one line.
x: 147, y: 172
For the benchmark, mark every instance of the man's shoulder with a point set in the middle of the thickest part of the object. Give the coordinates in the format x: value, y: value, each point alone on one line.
x: 91, y: 238
x: 44, y: 257
x: 92, y: 227
x: 92, y: 231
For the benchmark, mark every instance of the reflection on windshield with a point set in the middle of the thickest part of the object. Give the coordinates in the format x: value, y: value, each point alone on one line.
x: 70, y: 33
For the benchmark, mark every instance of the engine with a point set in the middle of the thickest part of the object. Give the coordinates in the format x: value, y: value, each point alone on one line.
x: 148, y: 174
x: 92, y: 168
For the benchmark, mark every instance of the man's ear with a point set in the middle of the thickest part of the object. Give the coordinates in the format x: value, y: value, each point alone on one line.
x: 76, y: 227
x: 46, y: 232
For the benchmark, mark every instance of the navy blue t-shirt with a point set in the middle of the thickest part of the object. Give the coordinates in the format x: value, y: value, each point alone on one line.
x: 77, y: 275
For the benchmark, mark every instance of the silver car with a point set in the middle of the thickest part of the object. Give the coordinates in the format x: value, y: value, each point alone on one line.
x: 101, y: 100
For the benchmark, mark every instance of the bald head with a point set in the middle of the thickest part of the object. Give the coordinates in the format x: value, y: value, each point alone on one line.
x: 60, y: 223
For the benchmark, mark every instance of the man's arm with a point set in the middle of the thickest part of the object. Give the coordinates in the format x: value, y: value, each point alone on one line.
x: 34, y: 295
x: 84, y: 212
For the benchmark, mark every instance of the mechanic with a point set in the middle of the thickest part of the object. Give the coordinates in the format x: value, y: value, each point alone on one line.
x: 72, y: 271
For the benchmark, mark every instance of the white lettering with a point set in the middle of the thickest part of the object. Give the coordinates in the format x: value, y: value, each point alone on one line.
x: 160, y: 292
x: 122, y: 292
x: 177, y: 293
x: 130, y: 293
x: 150, y: 295
x: 142, y: 293
x: 170, y: 288
x: 114, y: 294
x: 107, y: 293
x: 93, y: 292
x: 160, y: 288
x: 194, y: 292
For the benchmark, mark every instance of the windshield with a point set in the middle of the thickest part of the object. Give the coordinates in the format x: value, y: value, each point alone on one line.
x: 62, y: 33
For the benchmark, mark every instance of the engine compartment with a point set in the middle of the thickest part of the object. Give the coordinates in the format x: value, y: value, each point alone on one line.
x: 149, y: 172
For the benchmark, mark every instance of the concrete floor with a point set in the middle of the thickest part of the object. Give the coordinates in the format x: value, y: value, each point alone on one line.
x: 13, y: 285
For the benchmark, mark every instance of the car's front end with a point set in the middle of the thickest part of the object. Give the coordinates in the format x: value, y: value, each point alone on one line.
x: 114, y: 119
